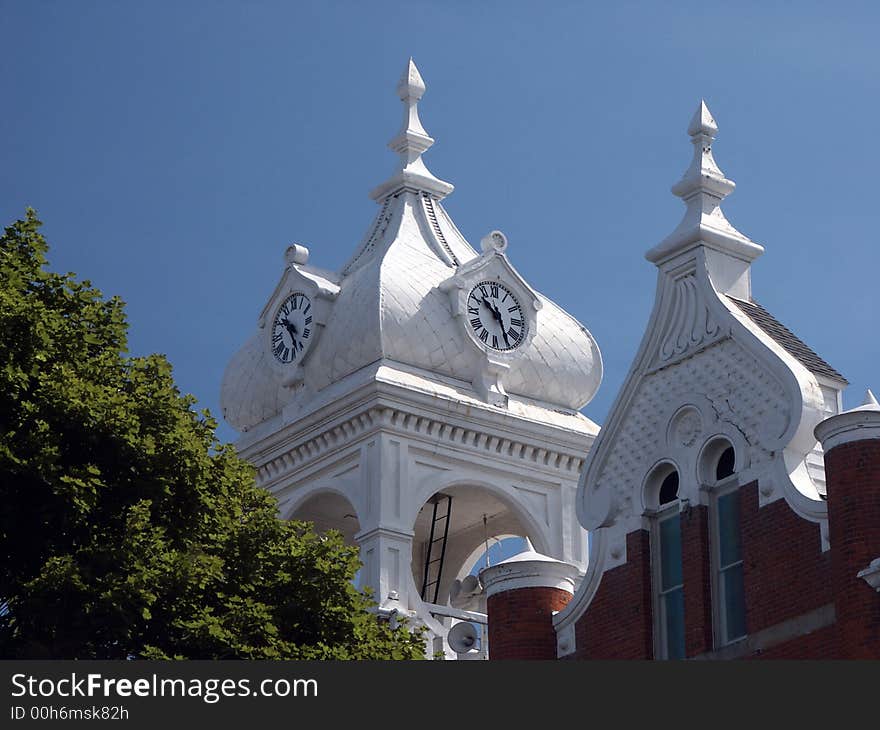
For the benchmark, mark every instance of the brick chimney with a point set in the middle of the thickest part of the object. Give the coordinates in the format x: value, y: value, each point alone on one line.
x: 523, y: 593
x: 851, y: 441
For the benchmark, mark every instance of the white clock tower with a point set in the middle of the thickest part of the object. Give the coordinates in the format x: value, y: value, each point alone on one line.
x: 421, y: 401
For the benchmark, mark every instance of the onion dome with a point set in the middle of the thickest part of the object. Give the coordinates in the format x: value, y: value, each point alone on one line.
x: 406, y: 300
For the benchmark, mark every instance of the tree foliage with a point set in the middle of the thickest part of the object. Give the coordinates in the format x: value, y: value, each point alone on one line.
x: 126, y: 529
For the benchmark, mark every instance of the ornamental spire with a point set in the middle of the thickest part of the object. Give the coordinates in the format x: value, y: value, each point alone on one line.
x: 702, y: 188
x: 410, y: 143
x: 870, y: 403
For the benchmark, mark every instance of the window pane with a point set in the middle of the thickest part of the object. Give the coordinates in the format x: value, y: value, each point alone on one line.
x: 734, y: 602
x: 726, y: 462
x: 669, y: 488
x: 670, y: 552
x: 728, y: 528
x: 674, y: 609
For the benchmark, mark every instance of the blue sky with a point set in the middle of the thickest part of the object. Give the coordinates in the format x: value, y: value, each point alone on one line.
x: 174, y: 149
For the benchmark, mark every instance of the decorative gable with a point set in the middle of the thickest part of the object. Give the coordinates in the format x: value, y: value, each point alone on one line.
x: 704, y: 371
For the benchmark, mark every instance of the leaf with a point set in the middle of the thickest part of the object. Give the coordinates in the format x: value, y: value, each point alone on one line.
x: 128, y: 529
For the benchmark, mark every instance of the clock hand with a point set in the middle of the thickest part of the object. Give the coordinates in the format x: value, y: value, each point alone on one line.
x: 290, y: 327
x: 498, y: 318
x: 495, y: 313
x: 503, y: 331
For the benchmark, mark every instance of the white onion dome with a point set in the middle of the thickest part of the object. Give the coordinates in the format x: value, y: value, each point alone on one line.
x: 396, y: 302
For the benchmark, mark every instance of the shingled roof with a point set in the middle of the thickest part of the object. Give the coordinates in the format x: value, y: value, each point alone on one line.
x: 787, y: 339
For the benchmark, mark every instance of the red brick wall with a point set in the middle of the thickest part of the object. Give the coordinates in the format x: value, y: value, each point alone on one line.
x: 697, y: 575
x: 853, y: 475
x: 820, y: 644
x: 521, y: 622
x: 785, y: 572
x: 618, y: 622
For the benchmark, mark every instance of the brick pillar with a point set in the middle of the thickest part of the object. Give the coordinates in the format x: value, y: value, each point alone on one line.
x: 696, y: 572
x: 851, y: 441
x: 522, y: 594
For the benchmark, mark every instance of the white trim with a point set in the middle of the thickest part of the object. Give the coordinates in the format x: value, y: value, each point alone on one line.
x: 725, y: 487
x: 871, y: 574
x: 565, y: 621
x: 848, y: 427
x: 566, y: 641
x: 715, y: 489
x: 669, y: 511
x: 529, y: 574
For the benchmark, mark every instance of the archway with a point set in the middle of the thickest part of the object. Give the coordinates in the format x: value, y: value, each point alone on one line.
x: 329, y: 511
x: 441, y: 556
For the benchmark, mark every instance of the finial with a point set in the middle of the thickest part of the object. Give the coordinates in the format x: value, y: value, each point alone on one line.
x: 411, y: 85
x: 296, y: 254
x: 529, y: 548
x: 702, y: 122
x: 494, y: 241
x: 869, y: 404
x: 702, y: 188
x: 410, y: 143
x: 703, y: 176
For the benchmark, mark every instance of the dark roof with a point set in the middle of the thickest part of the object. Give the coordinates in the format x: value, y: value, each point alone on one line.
x: 787, y: 339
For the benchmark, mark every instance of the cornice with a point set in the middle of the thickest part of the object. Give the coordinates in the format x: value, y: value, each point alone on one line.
x: 285, y: 457
x: 511, y: 576
x: 847, y: 427
x: 378, y: 380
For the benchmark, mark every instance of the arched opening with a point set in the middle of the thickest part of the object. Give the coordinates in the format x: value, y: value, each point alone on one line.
x: 717, y: 461
x: 669, y: 488
x: 717, y: 467
x: 329, y: 511
x: 726, y: 463
x: 661, y: 486
x: 447, y: 550
x: 500, y: 548
x: 662, y: 498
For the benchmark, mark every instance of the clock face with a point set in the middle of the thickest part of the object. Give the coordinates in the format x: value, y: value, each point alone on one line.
x: 496, y: 316
x: 292, y: 328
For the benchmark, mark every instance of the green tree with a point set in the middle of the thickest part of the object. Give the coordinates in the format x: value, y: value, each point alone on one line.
x: 126, y: 528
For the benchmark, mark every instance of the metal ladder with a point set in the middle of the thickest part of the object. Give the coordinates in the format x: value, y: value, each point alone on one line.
x: 433, y: 563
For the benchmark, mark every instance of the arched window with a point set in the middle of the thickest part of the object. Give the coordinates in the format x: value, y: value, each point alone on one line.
x: 719, y: 465
x: 668, y: 581
x: 669, y: 488
x: 726, y: 463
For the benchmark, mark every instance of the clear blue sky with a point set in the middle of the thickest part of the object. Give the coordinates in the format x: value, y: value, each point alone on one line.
x: 174, y: 149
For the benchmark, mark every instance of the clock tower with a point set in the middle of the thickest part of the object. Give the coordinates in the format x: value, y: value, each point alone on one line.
x: 423, y: 401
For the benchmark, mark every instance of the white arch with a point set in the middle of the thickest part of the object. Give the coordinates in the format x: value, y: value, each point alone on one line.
x: 315, y: 490
x: 539, y: 534
x: 479, y: 550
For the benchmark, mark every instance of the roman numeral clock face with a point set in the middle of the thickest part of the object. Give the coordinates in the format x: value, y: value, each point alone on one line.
x: 496, y: 316
x: 292, y: 328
